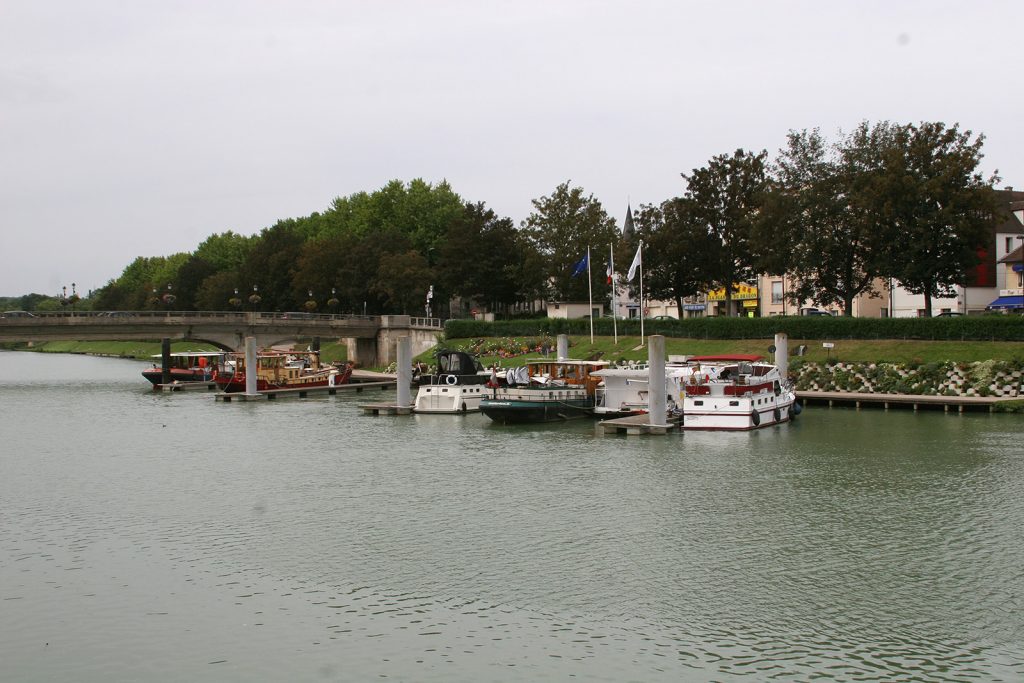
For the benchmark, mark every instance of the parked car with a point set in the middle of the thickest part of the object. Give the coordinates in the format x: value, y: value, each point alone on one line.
x: 814, y: 311
x: 947, y: 314
x: 17, y: 314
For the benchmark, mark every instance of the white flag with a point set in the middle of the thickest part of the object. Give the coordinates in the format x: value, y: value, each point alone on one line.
x: 637, y: 262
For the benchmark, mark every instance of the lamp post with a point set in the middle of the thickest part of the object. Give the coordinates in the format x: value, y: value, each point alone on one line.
x: 235, y: 301
x: 169, y: 298
x: 310, y: 304
x: 255, y: 298
x: 333, y: 301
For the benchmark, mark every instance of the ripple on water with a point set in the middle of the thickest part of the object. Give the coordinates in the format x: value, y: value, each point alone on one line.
x: 300, y: 539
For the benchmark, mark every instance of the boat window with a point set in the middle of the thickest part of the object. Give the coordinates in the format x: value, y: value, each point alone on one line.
x: 698, y: 403
x: 734, y: 403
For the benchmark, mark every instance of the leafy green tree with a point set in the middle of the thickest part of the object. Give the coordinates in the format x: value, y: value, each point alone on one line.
x: 404, y: 278
x: 727, y: 195
x: 822, y: 222
x: 939, y: 204
x: 484, y: 258
x: 271, y: 265
x: 189, y: 281
x: 226, y: 250
x: 561, y: 228
x: 216, y: 292
x: 679, y: 251
x: 419, y: 210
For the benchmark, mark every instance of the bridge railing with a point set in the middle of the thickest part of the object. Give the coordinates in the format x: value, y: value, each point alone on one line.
x: 198, y: 315
x: 213, y: 316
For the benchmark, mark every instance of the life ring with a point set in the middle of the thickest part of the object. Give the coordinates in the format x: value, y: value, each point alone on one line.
x: 755, y: 418
x: 451, y: 380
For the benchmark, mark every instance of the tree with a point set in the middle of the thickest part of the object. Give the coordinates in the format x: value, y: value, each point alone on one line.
x: 225, y: 251
x: 678, y: 250
x: 726, y: 196
x: 822, y: 223
x: 939, y: 204
x: 561, y: 228
x: 484, y: 258
x: 271, y: 265
x: 404, y: 278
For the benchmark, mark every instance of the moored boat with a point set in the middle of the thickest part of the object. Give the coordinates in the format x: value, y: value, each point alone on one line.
x: 457, y: 387
x: 545, y: 391
x: 283, y: 370
x: 187, y: 366
x: 736, y: 392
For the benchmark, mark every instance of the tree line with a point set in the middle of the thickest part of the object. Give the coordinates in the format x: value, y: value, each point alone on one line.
x: 885, y: 200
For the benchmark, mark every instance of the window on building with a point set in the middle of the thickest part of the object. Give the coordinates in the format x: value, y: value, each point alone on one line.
x: 777, y: 292
x: 1009, y: 244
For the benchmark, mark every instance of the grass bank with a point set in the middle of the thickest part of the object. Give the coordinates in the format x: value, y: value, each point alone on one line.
x: 514, y: 350
x: 147, y: 349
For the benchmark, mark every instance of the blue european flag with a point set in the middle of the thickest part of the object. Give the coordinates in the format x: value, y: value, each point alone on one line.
x: 581, y: 267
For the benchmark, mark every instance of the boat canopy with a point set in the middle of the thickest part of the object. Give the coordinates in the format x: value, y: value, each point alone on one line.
x: 733, y: 358
x: 457, y: 363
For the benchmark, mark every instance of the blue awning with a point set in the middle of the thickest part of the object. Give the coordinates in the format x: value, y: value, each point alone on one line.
x: 1008, y: 302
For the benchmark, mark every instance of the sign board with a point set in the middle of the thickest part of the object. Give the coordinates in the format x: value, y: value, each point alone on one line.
x: 739, y: 292
x: 828, y: 345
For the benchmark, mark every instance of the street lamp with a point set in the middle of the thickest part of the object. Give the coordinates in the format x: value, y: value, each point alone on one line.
x: 169, y: 298
x: 333, y: 301
x: 310, y: 302
x: 254, y: 298
x: 235, y: 301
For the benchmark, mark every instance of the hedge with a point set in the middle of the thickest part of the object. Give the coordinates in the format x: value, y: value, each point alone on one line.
x: 953, y: 328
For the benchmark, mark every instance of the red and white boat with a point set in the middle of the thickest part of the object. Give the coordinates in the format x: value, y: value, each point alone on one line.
x: 735, y: 392
x: 282, y: 370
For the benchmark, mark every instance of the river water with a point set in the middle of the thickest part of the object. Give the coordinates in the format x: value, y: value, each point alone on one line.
x: 153, y: 537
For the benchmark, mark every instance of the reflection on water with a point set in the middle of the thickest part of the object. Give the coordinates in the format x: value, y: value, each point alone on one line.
x: 168, y: 537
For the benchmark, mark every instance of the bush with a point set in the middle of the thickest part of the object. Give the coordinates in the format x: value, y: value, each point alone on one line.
x: 954, y: 328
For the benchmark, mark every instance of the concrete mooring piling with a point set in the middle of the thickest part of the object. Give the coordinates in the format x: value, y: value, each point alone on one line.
x: 782, y: 353
x: 656, y: 398
x: 562, y: 345
x: 165, y: 361
x: 251, y: 366
x: 404, y: 371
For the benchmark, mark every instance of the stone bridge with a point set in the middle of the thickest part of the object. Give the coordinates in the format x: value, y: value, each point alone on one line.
x: 371, y: 339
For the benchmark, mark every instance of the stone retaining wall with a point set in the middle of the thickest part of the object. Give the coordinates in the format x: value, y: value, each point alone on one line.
x: 986, y: 378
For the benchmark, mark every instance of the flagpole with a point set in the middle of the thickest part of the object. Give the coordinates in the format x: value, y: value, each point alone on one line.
x: 590, y: 292
x: 641, y: 247
x: 611, y: 264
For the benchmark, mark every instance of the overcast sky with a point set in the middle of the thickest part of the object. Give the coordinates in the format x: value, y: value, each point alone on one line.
x: 139, y: 128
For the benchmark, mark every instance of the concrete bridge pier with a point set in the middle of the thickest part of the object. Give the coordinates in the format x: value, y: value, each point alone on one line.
x: 362, y: 351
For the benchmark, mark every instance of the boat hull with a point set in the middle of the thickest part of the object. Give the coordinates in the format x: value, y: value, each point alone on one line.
x: 521, y: 411
x: 156, y: 376
x: 449, y: 399
x: 719, y: 416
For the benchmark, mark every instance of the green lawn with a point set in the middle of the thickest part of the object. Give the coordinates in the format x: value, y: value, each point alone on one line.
x: 894, y: 351
x: 628, y: 348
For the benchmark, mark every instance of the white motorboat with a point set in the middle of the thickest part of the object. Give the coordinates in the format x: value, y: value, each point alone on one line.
x: 737, y: 392
x: 457, y: 387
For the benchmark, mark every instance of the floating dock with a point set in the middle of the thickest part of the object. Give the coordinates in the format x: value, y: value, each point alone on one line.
x: 913, y: 401
x: 385, y: 409
x: 637, y: 424
x: 272, y: 394
x: 187, y: 386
